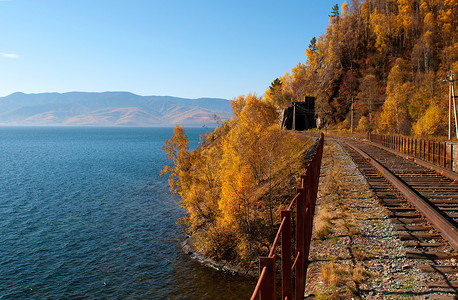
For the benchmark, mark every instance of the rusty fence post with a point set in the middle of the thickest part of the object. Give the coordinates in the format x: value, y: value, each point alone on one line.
x: 444, y: 153
x: 305, y: 201
x: 300, y: 222
x: 428, y: 155
x: 451, y: 157
x: 439, y: 154
x: 267, y: 291
x: 425, y: 150
x: 422, y: 149
x: 411, y: 146
x: 287, y: 275
x: 309, y: 210
x: 435, y: 156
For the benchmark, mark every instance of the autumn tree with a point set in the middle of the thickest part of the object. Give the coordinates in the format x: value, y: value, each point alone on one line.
x: 362, y: 44
x: 229, y: 186
x: 368, y: 96
x: 395, y: 117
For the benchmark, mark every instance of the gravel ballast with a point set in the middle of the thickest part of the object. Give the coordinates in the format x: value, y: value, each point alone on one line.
x: 359, y: 255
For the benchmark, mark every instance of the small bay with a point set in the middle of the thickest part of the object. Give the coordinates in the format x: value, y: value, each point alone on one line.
x: 85, y: 214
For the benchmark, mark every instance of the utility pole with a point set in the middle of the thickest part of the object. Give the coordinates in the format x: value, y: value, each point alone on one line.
x: 351, y: 116
x: 451, y: 98
x: 294, y: 115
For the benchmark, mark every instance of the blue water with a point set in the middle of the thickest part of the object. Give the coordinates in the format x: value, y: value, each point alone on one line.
x: 85, y: 214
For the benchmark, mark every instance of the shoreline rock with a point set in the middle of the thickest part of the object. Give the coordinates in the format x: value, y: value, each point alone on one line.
x: 188, y: 248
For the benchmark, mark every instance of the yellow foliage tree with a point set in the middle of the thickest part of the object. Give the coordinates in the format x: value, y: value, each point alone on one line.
x: 363, y: 125
x: 226, y: 186
x: 394, y: 117
x: 177, y: 150
x: 431, y: 123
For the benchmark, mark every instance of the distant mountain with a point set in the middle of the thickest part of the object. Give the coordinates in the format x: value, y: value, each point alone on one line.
x: 110, y: 108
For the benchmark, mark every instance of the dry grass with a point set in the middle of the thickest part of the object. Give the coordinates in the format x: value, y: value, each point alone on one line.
x: 334, y: 276
x: 322, y: 223
x: 337, y: 221
x: 359, y: 274
x: 341, y: 279
x: 360, y: 254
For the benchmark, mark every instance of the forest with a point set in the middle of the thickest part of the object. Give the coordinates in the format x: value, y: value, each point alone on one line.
x: 388, y: 58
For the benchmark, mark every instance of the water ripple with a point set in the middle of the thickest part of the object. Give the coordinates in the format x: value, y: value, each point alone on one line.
x: 84, y: 214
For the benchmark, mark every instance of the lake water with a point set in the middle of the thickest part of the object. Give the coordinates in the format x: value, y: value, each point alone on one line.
x: 85, y: 214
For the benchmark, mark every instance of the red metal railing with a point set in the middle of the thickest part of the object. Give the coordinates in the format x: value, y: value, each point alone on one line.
x: 305, y: 201
x: 438, y: 153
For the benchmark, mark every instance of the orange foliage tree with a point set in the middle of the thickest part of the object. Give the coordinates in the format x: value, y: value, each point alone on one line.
x: 229, y: 188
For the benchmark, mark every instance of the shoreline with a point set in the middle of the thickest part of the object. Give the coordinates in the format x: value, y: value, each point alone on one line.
x: 187, y: 246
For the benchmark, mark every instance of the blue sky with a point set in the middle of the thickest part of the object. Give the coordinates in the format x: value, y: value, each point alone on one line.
x: 178, y: 48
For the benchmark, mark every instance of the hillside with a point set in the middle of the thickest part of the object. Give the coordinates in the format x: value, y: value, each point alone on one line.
x: 385, y: 58
x: 110, y: 108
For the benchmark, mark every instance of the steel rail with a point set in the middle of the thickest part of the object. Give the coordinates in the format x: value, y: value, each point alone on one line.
x: 446, y: 229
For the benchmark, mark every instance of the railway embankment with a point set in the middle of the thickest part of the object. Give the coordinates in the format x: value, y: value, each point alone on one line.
x: 357, y: 250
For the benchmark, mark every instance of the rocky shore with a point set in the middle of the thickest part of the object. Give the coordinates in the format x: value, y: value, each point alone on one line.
x: 188, y: 248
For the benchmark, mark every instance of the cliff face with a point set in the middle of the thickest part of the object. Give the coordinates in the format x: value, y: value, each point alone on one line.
x: 110, y: 108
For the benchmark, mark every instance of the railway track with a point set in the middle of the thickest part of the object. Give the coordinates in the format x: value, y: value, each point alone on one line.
x: 423, y: 208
